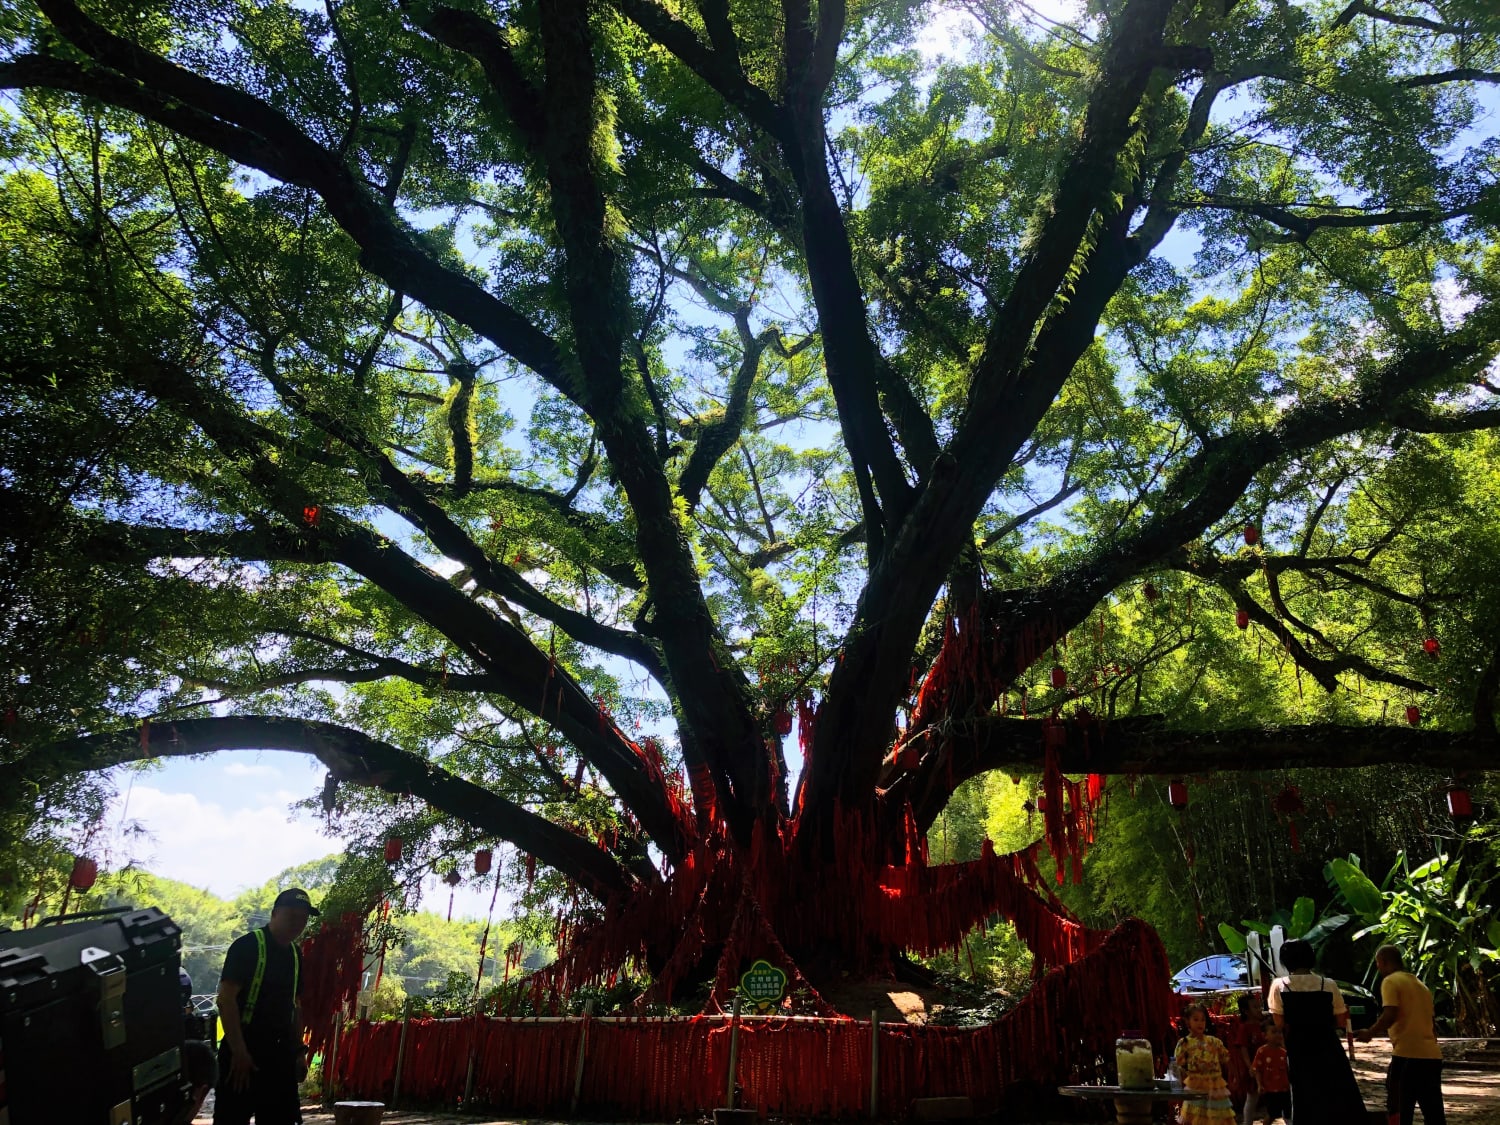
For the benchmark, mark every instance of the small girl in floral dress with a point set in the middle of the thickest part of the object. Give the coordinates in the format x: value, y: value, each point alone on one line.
x: 1201, y: 1059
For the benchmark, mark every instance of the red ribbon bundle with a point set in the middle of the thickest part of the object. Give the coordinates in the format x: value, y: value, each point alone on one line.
x: 752, y: 902
x: 333, y: 962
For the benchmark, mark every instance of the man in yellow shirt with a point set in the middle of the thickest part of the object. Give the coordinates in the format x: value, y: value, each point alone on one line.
x: 1415, y: 1077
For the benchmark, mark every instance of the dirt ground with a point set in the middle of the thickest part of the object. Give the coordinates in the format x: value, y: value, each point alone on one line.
x: 1472, y: 1097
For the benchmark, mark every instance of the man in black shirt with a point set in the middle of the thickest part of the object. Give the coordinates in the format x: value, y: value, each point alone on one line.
x: 262, y: 1061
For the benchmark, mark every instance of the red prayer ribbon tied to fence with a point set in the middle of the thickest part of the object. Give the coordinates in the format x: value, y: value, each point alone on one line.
x: 666, y: 1069
x: 333, y: 962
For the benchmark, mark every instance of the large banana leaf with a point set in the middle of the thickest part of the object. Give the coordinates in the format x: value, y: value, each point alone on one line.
x: 1301, y: 921
x: 1430, y: 868
x: 1234, y: 941
x: 1358, y: 891
x: 1325, y: 928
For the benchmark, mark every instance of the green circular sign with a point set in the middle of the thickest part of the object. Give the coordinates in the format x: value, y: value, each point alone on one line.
x: 764, y: 984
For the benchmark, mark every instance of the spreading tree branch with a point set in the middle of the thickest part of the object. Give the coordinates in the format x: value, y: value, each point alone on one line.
x: 721, y: 71
x: 523, y: 672
x: 1362, y: 8
x: 713, y: 695
x: 609, y: 548
x: 352, y: 756
x: 252, y: 132
x: 1325, y: 670
x: 799, y: 129
x: 460, y: 418
x: 1210, y: 482
x: 1425, y: 420
x: 398, y: 492
x: 1457, y: 74
x: 1301, y: 226
x: 472, y: 34
x: 715, y: 440
x: 1150, y: 746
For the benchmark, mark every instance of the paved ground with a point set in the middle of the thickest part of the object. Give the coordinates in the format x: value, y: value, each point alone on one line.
x: 1472, y: 1097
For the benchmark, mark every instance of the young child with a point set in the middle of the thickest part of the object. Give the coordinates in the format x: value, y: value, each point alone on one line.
x: 1271, y: 1076
x: 1244, y: 1039
x: 1201, y: 1059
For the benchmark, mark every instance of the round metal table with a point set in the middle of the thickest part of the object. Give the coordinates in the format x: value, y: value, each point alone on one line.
x: 1132, y: 1107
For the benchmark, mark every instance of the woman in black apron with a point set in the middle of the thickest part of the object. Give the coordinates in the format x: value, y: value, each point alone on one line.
x: 1323, y: 1088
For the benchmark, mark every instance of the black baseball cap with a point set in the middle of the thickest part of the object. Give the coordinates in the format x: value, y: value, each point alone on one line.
x: 296, y: 898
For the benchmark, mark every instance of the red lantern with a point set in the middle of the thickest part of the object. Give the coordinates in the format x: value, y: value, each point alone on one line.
x: 783, y: 722
x: 1242, y: 619
x: 453, y: 878
x: 393, y: 850
x: 1460, y: 805
x: 1252, y: 535
x: 1413, y: 714
x: 1041, y: 803
x: 1431, y: 647
x: 1288, y: 802
x: 85, y: 872
x: 1151, y: 592
x: 1059, y: 676
x: 1054, y: 735
x: 312, y: 515
x: 1177, y: 794
x: 482, y: 859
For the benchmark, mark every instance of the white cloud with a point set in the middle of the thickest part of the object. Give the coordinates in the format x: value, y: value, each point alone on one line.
x: 225, y: 850
x: 1455, y: 302
x: 247, y: 769
x: 948, y: 30
x: 945, y: 34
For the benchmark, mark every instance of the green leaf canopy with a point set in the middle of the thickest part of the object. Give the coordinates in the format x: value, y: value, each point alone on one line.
x: 531, y: 409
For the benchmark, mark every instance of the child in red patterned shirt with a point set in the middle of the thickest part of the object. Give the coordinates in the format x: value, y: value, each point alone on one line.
x: 1271, y: 1076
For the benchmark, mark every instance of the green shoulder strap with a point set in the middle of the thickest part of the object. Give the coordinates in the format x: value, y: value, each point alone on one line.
x: 258, y: 979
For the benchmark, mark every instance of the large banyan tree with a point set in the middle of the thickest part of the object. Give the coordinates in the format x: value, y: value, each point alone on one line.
x: 539, y: 410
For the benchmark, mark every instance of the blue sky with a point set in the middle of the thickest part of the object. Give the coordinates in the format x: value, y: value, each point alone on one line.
x: 221, y: 822
x: 225, y: 823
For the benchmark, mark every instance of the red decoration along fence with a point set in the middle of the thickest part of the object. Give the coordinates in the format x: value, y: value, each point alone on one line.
x: 658, y: 1069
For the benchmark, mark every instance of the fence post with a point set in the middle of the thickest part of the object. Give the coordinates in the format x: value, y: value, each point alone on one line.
x: 401, y: 1053
x: 473, y: 1057
x: 331, y: 1062
x: 583, y: 1050
x: 874, y: 1065
x: 734, y: 1051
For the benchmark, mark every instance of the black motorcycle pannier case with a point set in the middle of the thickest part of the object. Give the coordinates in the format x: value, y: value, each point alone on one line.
x: 91, y: 1022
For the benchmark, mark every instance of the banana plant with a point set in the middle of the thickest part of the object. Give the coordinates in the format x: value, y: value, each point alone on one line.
x: 1440, y: 914
x: 1302, y: 922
